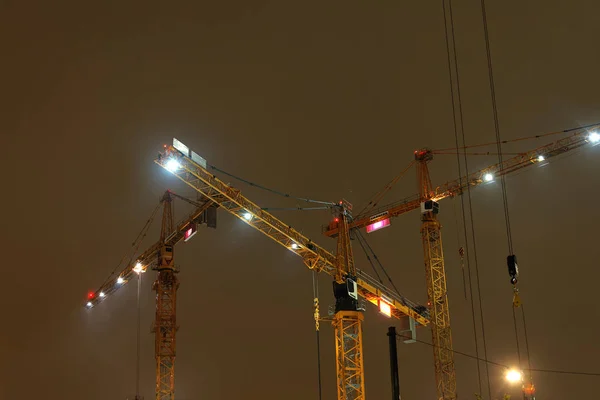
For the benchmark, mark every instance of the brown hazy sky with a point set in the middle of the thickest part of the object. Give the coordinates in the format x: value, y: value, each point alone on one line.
x: 321, y: 99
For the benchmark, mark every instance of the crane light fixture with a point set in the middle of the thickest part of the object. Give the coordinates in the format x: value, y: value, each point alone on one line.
x: 541, y: 158
x: 139, y: 268
x: 488, y: 177
x: 172, y: 165
x: 120, y: 280
x: 247, y: 216
x: 594, y: 137
x: 89, y: 304
x: 513, y: 376
x: 102, y: 294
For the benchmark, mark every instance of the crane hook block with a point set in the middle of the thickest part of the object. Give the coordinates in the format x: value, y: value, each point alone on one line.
x: 513, y: 269
x: 516, y: 299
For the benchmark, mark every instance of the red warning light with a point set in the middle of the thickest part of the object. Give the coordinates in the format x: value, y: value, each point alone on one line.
x: 90, y: 295
x: 336, y: 219
x: 529, y: 389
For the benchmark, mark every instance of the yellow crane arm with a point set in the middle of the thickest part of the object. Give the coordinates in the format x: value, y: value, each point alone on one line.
x: 576, y: 138
x: 191, y: 169
x: 149, y: 257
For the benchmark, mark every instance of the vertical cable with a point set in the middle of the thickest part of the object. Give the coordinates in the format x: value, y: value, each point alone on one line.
x: 526, y: 341
x: 502, y: 177
x: 461, y: 252
x: 460, y: 114
x: 517, y: 336
x: 481, y: 314
x: 496, y: 124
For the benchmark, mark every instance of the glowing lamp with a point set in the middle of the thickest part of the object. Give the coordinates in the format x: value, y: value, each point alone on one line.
x: 385, y: 308
x: 513, y: 376
x: 375, y: 226
x: 172, y: 165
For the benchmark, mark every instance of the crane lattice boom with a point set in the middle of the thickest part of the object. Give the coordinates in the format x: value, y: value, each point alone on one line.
x: 313, y: 255
x: 575, y: 139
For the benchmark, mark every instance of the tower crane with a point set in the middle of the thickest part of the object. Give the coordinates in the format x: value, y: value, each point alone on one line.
x: 427, y: 200
x: 349, y: 282
x: 159, y: 257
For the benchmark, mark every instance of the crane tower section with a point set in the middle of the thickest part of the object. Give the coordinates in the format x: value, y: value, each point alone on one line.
x: 165, y: 328
x: 348, y: 317
x: 436, y: 282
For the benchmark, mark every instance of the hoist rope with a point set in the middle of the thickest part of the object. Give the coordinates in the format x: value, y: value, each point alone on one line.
x: 502, y: 177
x: 499, y: 147
x: 360, y: 236
x: 526, y: 340
x: 449, y: 16
x: 256, y: 185
x: 461, y: 254
x: 370, y: 261
x: 514, y: 314
x: 496, y: 125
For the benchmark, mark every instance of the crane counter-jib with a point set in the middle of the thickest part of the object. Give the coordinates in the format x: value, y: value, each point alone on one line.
x: 195, y: 175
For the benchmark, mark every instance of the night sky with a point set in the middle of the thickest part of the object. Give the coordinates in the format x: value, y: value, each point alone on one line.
x: 320, y: 99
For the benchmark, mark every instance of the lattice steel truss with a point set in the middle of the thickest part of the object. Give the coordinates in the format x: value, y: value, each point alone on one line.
x: 349, y: 355
x: 165, y: 323
x: 435, y: 274
x: 165, y: 330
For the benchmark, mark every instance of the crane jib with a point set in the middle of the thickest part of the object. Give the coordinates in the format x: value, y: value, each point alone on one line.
x: 314, y: 256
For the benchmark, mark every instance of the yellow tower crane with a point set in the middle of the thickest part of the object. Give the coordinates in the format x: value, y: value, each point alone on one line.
x: 160, y: 257
x: 427, y: 201
x: 349, y: 282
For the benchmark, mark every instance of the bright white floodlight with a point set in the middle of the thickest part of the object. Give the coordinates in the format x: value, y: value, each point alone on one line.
x: 89, y: 304
x: 247, y: 216
x: 295, y: 246
x: 541, y: 158
x: 172, y: 165
x: 488, y: 177
x: 594, y: 137
x: 102, y: 294
x: 139, y: 268
x: 513, y: 376
x: 120, y: 280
